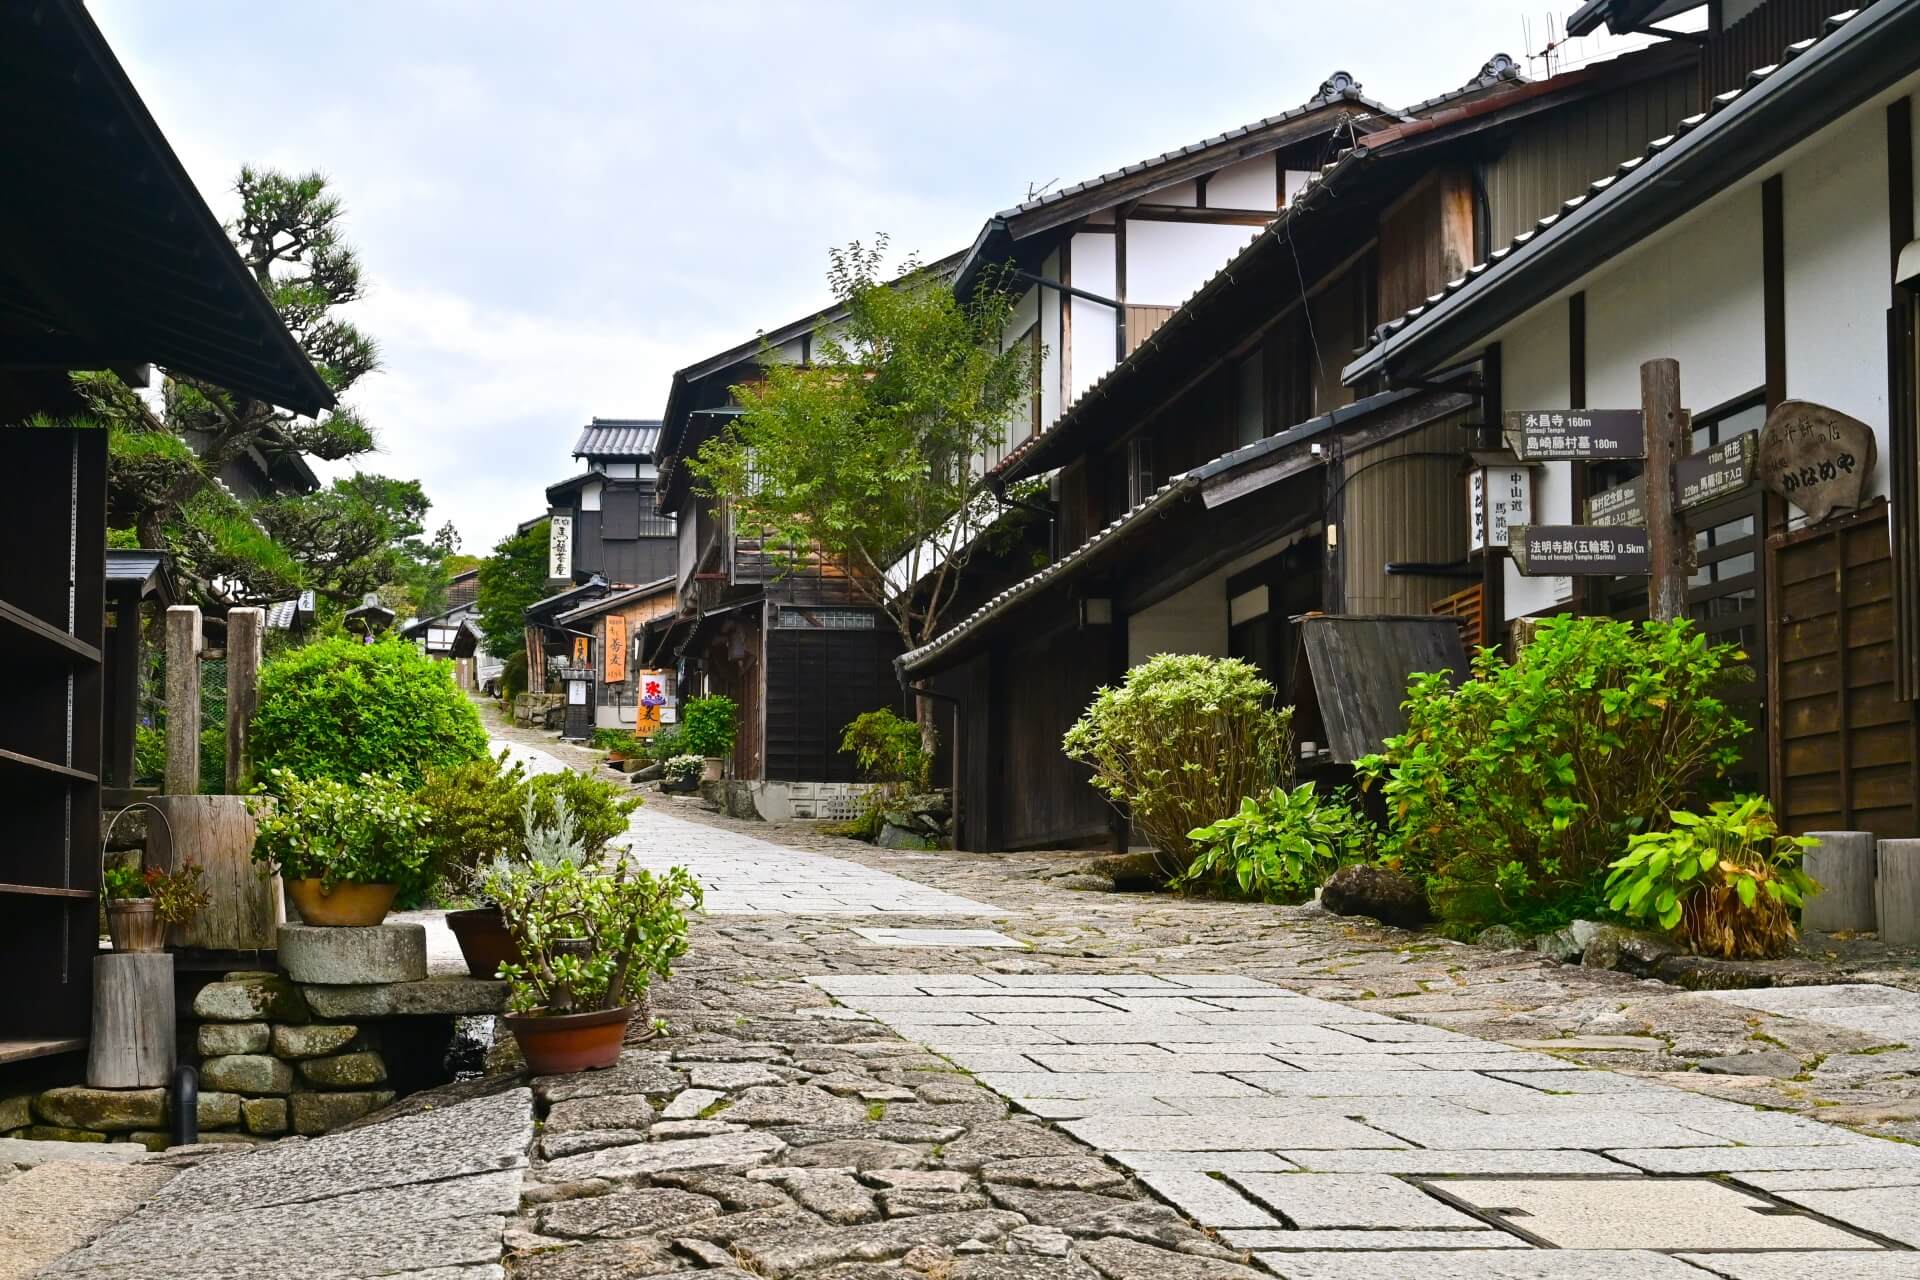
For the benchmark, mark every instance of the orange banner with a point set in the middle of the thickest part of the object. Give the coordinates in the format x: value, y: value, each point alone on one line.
x: 615, y: 661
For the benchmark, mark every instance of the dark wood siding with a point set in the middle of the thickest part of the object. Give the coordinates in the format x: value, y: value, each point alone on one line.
x: 818, y: 679
x: 1036, y: 694
x: 1758, y: 40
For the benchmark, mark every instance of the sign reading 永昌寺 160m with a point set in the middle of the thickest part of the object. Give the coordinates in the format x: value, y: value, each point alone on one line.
x: 1538, y: 435
x: 1554, y: 550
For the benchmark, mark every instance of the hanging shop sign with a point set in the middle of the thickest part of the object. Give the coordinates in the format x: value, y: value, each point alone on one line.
x: 1498, y: 498
x: 1817, y: 458
x: 1725, y: 469
x: 582, y: 651
x: 560, y: 547
x: 614, y: 651
x: 1555, y: 550
x: 1623, y: 506
x: 1576, y: 435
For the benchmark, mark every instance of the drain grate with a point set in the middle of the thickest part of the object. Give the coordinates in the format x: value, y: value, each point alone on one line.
x: 1641, y: 1213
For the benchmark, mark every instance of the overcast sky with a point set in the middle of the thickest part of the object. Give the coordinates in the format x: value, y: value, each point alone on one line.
x: 558, y: 204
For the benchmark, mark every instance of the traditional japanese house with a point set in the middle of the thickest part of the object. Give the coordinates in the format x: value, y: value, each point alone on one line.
x: 1220, y: 481
x: 109, y: 259
x: 604, y: 519
x: 627, y: 693
x: 1766, y: 244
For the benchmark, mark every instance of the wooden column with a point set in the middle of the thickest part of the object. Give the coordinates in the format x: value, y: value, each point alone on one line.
x: 1668, y: 440
x: 244, y: 630
x: 1843, y: 863
x: 183, y: 700
x: 132, y: 1044
x: 216, y: 833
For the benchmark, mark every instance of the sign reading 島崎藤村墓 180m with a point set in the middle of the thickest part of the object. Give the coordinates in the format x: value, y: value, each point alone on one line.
x: 1554, y: 550
x: 1816, y: 458
x: 1544, y: 435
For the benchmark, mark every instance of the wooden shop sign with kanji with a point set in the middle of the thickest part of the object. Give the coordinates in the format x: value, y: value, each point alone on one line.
x: 1816, y: 458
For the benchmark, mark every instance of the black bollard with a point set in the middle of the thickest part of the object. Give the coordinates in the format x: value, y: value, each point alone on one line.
x: 183, y: 1096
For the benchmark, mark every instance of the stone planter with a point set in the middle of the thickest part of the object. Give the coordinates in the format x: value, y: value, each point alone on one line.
x: 560, y: 1044
x: 713, y: 768
x: 484, y: 941
x: 346, y: 903
x: 680, y: 786
x: 133, y: 926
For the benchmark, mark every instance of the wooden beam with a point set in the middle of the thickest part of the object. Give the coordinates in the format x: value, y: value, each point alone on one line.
x: 1202, y: 214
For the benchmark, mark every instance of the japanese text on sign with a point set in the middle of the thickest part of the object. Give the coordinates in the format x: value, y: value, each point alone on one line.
x: 1542, y: 551
x: 1498, y: 498
x: 1574, y: 434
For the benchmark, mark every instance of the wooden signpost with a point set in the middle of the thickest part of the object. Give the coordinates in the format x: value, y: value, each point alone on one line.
x: 1636, y: 527
x: 1815, y: 457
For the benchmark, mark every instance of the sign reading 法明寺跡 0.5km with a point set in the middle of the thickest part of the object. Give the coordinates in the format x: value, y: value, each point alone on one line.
x: 1556, y: 550
x: 1576, y: 435
x: 1816, y: 458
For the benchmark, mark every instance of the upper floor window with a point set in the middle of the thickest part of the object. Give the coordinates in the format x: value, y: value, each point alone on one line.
x: 1140, y: 481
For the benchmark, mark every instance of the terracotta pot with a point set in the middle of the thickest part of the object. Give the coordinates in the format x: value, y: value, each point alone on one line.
x: 133, y: 926
x: 562, y: 1043
x: 484, y: 940
x: 347, y: 903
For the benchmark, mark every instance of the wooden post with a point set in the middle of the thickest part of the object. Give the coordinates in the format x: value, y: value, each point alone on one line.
x: 1899, y: 892
x: 244, y: 630
x: 132, y: 1044
x: 1843, y: 865
x: 216, y: 832
x: 1668, y: 439
x: 183, y: 700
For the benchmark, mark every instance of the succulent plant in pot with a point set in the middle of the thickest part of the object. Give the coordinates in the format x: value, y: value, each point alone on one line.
x: 143, y: 905
x: 344, y: 849
x: 591, y: 941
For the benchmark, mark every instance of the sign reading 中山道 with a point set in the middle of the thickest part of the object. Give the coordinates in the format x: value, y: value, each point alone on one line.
x: 1815, y: 457
x: 1579, y: 435
x: 1725, y: 469
x: 1498, y: 498
x: 1555, y: 550
x: 1624, y: 505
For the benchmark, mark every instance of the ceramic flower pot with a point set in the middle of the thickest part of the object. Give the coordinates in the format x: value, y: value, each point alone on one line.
x: 562, y: 1043
x: 712, y: 767
x: 484, y: 940
x: 133, y: 925
x: 347, y: 903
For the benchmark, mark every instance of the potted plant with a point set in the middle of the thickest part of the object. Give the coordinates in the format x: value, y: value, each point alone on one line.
x: 343, y: 849
x: 681, y: 773
x: 591, y: 942
x: 706, y: 730
x: 143, y: 905
x: 473, y: 822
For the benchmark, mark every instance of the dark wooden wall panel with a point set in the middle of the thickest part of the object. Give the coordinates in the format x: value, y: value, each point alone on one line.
x: 1047, y: 800
x: 819, y: 679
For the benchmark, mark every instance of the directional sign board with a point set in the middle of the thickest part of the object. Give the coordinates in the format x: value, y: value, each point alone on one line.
x: 1624, y: 504
x: 1725, y: 469
x: 1579, y: 435
x: 1554, y: 550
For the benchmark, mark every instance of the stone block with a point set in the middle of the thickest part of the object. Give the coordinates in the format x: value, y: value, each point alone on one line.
x: 250, y: 997
x: 107, y: 1110
x: 216, y: 1039
x: 314, y: 1041
x: 265, y: 1116
x: 344, y: 1071
x: 316, y: 1113
x: 248, y: 1073
x: 345, y: 957
x: 16, y: 1112
x: 407, y: 999
x: 218, y: 1110
x: 151, y: 1139
x: 58, y: 1133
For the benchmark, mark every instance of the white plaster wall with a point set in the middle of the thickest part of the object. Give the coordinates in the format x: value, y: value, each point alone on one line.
x: 1093, y: 324
x: 1167, y: 261
x: 1533, y: 375
x: 789, y: 352
x: 1251, y: 184
x: 590, y: 496
x: 1050, y: 382
x: 1025, y: 313
x: 1180, y: 193
x: 1835, y: 210
x: 1190, y: 621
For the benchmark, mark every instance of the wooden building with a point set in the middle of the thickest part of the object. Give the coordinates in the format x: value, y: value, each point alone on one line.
x: 1221, y: 480
x: 606, y: 515
x: 109, y: 259
x: 1768, y: 246
x: 627, y: 692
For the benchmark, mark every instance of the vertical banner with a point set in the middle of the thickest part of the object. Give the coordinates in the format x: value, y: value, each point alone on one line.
x: 582, y: 651
x: 614, y: 650
x: 656, y: 701
x: 560, y: 547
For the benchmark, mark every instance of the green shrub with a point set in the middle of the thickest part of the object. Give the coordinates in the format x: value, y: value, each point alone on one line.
x: 1728, y: 881
x: 513, y: 675
x: 1278, y: 847
x: 473, y: 815
x: 621, y: 740
x: 707, y: 726
x: 338, y: 709
x: 1517, y: 787
x: 149, y: 753
x: 599, y: 808
x: 662, y: 744
x: 213, y: 761
x: 888, y: 748
x: 1180, y: 742
x: 367, y: 831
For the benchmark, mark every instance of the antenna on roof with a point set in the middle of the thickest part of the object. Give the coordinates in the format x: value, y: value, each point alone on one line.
x: 1036, y: 190
x: 1550, y: 54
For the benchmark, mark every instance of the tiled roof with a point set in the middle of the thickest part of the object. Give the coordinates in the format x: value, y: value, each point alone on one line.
x: 1499, y: 69
x: 619, y: 438
x: 1595, y: 194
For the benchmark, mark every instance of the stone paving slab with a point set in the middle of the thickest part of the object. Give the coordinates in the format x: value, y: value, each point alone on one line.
x: 1639, y: 1213
x: 1807, y: 1266
x: 56, y: 1206
x: 1530, y: 1264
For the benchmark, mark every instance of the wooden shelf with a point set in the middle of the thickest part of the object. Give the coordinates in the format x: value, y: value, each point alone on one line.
x: 15, y: 760
x: 22, y: 635
x: 21, y: 1050
x: 42, y: 891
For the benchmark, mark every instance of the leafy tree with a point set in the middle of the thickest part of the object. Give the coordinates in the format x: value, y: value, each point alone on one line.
x: 512, y: 578
x: 864, y: 457
x: 166, y: 460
